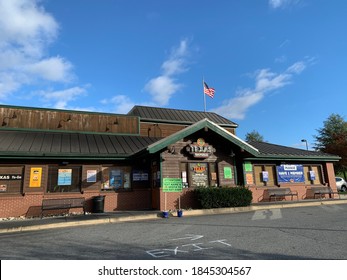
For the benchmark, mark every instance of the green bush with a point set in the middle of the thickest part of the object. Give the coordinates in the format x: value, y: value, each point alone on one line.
x: 223, y: 197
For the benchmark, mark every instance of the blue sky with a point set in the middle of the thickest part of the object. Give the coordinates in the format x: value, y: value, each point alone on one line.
x: 278, y: 66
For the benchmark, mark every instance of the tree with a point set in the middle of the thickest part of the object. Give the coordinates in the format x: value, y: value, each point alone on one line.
x: 332, y: 139
x: 254, y: 136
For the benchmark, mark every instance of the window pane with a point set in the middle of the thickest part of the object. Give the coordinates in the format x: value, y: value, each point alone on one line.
x: 64, y: 179
x: 258, y: 175
x: 114, y: 178
x: 307, y: 175
x: 11, y: 179
x: 318, y: 175
x: 272, y: 175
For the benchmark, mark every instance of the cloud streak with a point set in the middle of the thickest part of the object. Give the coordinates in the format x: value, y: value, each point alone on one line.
x: 265, y: 81
x: 276, y: 4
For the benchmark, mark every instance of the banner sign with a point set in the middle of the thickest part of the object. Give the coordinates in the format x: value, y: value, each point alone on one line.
x: 172, y: 185
x: 290, y: 173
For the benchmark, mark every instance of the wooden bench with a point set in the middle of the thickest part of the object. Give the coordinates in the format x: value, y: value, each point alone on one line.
x: 321, y: 191
x: 63, y: 203
x: 281, y: 192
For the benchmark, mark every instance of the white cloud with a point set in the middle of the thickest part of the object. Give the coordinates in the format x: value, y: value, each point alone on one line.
x: 26, y: 31
x: 26, y: 24
x: 60, y: 98
x: 265, y: 82
x: 54, y: 69
x: 121, y: 103
x: 275, y: 4
x: 164, y: 86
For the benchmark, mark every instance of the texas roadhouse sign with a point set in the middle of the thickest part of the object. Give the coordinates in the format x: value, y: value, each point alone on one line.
x: 200, y: 149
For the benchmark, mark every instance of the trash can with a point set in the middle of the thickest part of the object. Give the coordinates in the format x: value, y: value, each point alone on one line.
x: 98, y: 204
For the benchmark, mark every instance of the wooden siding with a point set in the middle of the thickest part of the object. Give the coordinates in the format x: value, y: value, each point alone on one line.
x: 67, y: 120
x: 159, y: 130
x: 164, y: 130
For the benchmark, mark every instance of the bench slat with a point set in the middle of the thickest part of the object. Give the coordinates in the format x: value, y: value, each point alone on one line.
x: 281, y: 192
x: 62, y: 203
x: 322, y: 190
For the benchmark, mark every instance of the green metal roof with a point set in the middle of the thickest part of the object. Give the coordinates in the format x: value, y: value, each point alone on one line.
x: 43, y: 144
x: 176, y: 116
x: 268, y: 151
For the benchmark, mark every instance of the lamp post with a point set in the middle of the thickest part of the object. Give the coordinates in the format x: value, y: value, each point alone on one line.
x: 304, y: 140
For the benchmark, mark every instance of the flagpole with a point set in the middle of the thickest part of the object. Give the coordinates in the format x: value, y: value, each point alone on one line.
x: 203, y: 92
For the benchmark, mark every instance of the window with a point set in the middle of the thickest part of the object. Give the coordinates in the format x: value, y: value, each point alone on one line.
x: 64, y: 179
x: 265, y: 175
x: 11, y: 180
x: 314, y: 175
x: 115, y: 178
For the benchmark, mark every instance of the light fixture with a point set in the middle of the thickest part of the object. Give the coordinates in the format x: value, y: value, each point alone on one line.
x: 304, y: 140
x: 8, y: 118
x: 60, y: 124
x: 111, y: 123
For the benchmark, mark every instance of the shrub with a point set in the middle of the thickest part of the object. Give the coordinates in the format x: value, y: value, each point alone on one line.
x: 223, y: 197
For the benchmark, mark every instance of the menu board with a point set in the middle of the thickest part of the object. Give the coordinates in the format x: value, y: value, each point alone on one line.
x: 198, y: 173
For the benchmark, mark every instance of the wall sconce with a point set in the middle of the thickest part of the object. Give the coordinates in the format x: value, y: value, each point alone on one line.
x: 60, y: 125
x: 171, y: 149
x: 5, y: 123
x: 111, y: 123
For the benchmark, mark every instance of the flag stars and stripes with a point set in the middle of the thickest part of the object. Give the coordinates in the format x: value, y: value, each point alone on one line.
x: 209, y: 91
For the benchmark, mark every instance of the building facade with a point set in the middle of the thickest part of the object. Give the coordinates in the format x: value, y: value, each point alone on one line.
x: 47, y: 153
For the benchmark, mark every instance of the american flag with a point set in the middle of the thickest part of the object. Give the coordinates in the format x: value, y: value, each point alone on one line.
x: 209, y: 91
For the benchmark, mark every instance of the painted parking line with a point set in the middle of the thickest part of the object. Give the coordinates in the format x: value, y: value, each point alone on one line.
x: 185, y: 247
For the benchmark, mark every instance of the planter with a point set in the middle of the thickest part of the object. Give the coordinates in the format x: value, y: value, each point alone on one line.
x: 165, y: 214
x: 179, y: 213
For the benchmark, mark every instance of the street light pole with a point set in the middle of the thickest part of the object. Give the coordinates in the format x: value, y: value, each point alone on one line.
x: 304, y: 140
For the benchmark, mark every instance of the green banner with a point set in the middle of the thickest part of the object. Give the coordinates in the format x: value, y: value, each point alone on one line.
x: 172, y: 185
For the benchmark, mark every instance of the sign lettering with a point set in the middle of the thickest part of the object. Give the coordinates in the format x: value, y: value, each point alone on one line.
x: 200, y: 149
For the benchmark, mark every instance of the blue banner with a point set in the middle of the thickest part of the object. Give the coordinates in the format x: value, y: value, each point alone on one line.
x: 290, y: 173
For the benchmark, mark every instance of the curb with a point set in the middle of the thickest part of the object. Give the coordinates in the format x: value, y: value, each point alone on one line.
x: 260, y: 207
x: 187, y: 213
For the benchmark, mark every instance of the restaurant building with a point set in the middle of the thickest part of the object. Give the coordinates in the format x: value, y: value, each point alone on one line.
x: 47, y: 153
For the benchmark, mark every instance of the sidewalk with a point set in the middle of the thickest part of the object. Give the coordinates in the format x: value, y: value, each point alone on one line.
x: 22, y: 225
